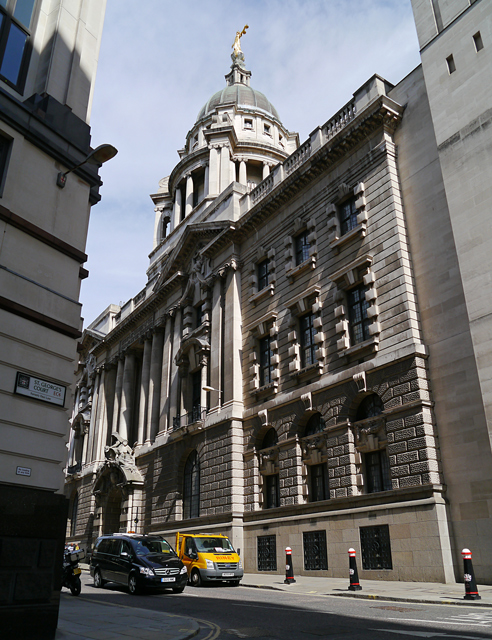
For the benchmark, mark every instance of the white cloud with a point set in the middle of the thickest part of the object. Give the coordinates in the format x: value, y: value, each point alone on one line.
x: 159, y: 64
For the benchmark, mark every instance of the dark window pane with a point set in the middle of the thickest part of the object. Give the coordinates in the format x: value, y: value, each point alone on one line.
x: 270, y: 439
x: 267, y: 553
x: 319, y: 483
x: 266, y: 368
x: 307, y: 340
x: 3, y: 3
x: 302, y: 248
x: 13, y: 54
x: 23, y: 11
x: 370, y: 407
x: 272, y: 492
x: 315, y: 424
x: 191, y: 491
x: 359, y: 322
x: 263, y: 274
x: 348, y: 216
x: 4, y: 150
x: 376, y: 547
x: 377, y: 471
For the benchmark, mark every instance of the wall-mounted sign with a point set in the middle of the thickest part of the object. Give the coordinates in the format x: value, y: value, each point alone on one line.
x: 40, y: 389
x: 23, y: 471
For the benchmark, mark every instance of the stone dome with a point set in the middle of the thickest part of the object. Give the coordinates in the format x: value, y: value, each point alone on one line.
x: 240, y: 95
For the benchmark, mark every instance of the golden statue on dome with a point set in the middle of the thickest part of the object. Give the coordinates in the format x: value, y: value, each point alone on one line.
x: 237, y: 41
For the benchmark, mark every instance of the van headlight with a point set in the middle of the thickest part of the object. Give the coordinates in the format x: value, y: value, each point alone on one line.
x: 239, y: 565
x: 210, y: 564
x: 183, y: 570
x: 146, y: 571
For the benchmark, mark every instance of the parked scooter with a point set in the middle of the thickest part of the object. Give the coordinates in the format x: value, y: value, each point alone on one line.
x: 72, y: 571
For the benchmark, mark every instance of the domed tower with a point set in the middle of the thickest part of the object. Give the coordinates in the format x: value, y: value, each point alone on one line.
x: 237, y: 138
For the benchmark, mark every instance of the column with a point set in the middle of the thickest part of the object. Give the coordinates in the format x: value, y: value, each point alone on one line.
x: 189, y: 195
x: 127, y: 396
x: 117, y: 395
x: 144, y: 392
x: 203, y: 380
x: 92, y: 427
x: 100, y: 416
x: 166, y: 367
x: 153, y: 410
x: 216, y: 343
x: 232, y: 337
x: 174, y: 372
x: 213, y: 172
x: 206, y: 182
x: 242, y: 173
x: 266, y: 170
x: 176, y: 217
x: 225, y: 168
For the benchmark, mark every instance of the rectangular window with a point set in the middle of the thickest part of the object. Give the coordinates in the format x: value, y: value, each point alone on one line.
x: 248, y: 123
x: 315, y: 557
x: 357, y: 311
x: 451, y: 64
x: 307, y: 334
x: 266, y: 367
x: 348, y: 216
x: 377, y: 471
x: 266, y: 130
x: 263, y: 273
x: 319, y: 482
x: 267, y: 553
x: 477, y: 39
x: 199, y: 315
x: 272, y: 493
x: 302, y: 248
x: 16, y: 17
x: 376, y: 547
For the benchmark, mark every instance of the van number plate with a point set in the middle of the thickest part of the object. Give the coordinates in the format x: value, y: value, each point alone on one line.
x: 228, y: 575
x: 168, y: 579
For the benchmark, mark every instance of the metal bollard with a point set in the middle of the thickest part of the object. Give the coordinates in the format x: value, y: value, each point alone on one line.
x: 289, y: 568
x: 471, y: 589
x: 354, y: 575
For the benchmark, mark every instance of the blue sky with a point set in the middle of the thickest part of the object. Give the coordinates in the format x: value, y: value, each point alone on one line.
x: 159, y: 64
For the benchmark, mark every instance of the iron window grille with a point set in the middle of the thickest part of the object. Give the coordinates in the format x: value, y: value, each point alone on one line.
x: 307, y: 340
x: 348, y: 216
x: 191, y: 489
x: 302, y: 247
x: 16, y: 18
x: 267, y: 553
x: 357, y: 311
x: 263, y: 274
x: 315, y: 556
x: 377, y: 471
x: 319, y: 482
x: 266, y: 367
x: 376, y: 547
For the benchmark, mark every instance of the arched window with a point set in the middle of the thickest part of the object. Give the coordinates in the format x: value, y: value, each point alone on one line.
x: 270, y: 439
x: 369, y: 407
x: 315, y: 424
x: 73, y: 519
x: 191, y: 490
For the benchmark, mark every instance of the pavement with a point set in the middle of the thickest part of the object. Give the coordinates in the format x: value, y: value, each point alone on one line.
x: 84, y: 619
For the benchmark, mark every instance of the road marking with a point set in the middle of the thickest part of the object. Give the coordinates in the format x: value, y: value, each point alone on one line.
x: 427, y: 634
x: 468, y: 624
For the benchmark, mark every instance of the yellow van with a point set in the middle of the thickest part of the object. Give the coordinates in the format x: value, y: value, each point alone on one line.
x: 209, y: 557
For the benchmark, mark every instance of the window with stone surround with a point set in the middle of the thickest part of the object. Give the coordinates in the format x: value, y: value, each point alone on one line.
x: 191, y: 487
x: 306, y: 338
x: 264, y: 357
x: 314, y: 460
x: 262, y: 275
x: 269, y: 470
x: 347, y: 215
x: 16, y: 20
x: 267, y: 553
x: 319, y: 485
x: 301, y: 248
x: 74, y: 514
x: 356, y: 309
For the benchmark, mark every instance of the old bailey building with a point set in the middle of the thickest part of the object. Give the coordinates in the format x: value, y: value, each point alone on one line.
x: 307, y: 364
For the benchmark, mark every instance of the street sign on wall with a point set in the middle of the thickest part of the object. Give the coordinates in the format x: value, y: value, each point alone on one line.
x: 39, y: 389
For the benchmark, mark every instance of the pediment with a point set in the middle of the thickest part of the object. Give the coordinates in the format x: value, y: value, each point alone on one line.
x: 198, y: 242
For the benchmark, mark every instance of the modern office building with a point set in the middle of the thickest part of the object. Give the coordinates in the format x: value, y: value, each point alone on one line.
x: 48, y: 58
x: 308, y: 363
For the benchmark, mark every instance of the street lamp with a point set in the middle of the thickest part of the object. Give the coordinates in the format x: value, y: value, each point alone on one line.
x: 207, y: 388
x: 99, y: 155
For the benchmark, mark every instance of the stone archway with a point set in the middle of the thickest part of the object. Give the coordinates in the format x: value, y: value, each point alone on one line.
x: 112, y: 512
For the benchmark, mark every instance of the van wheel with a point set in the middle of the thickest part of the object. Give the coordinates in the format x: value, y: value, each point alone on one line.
x: 132, y: 584
x: 98, y: 581
x: 178, y: 589
x: 196, y: 579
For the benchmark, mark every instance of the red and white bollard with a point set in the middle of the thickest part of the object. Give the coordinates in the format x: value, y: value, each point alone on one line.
x: 289, y: 568
x: 354, y: 575
x: 471, y: 589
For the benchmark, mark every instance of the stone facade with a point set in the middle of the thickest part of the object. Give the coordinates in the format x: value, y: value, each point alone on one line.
x: 282, y: 377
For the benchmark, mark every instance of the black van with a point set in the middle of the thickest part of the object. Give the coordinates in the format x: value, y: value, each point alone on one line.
x: 137, y: 561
